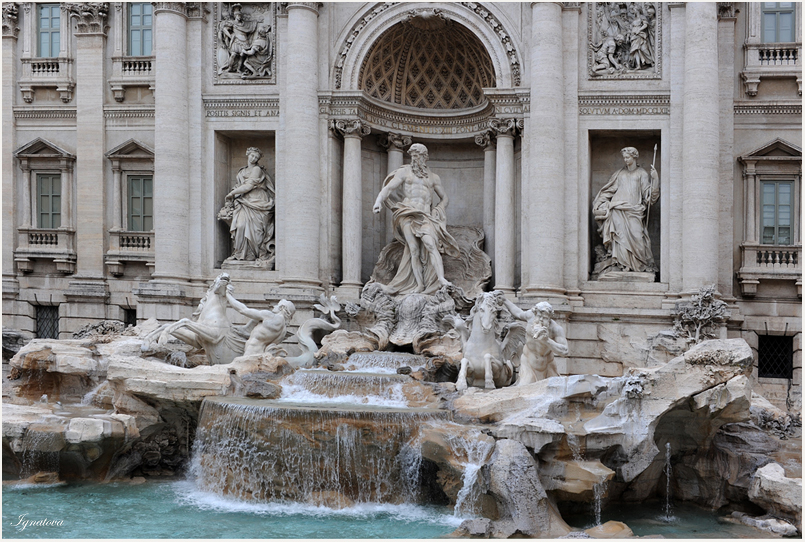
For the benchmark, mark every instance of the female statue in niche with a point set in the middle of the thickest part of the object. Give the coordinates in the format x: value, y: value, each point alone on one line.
x: 249, y: 211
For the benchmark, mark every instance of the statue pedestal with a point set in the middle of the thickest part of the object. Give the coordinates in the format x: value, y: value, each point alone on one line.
x: 267, y: 265
x: 626, y: 276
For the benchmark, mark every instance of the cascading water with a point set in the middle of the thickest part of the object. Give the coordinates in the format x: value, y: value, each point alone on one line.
x: 477, y: 452
x: 39, y: 453
x: 598, y: 493
x: 668, y: 513
x: 321, y: 387
x: 273, y: 451
x: 382, y: 362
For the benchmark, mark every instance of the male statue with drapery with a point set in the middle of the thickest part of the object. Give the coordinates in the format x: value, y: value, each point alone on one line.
x: 621, y: 211
x: 249, y: 211
x: 419, y: 225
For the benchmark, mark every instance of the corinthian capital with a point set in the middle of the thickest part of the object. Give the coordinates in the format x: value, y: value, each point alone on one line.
x: 91, y: 16
x: 503, y: 127
x: 351, y: 128
x: 485, y: 138
x: 10, y: 13
x: 391, y: 140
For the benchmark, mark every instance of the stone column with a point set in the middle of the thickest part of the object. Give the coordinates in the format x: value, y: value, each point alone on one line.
x: 27, y: 219
x: 90, y: 138
x: 10, y: 195
x: 351, y: 206
x: 504, y: 130
x: 67, y: 199
x: 700, y: 148
x: 117, y: 220
x: 750, y: 225
x: 300, y: 192
x: 486, y: 140
x: 394, y: 145
x: 171, y: 141
x: 543, y: 257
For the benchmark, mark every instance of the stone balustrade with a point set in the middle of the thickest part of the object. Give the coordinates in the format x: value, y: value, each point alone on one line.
x: 57, y: 245
x: 47, y: 73
x: 129, y: 246
x: 771, y: 60
x: 131, y: 71
x: 769, y: 262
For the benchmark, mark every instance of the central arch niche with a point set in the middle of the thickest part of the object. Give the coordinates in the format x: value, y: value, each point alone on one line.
x: 428, y: 63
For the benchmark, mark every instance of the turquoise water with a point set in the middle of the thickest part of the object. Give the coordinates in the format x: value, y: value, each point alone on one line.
x: 176, y: 509
x: 687, y: 521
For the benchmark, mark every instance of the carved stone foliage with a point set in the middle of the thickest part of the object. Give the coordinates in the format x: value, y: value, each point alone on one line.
x: 390, y: 139
x: 625, y: 40
x: 351, y: 128
x: 244, y: 43
x: 428, y: 62
x: 91, y: 16
x: 698, y: 319
x: 10, y: 22
x: 503, y: 127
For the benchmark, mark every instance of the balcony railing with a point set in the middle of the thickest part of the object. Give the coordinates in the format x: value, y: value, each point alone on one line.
x: 57, y: 245
x: 769, y: 262
x: 131, y: 71
x: 129, y: 246
x: 47, y: 73
x: 771, y: 60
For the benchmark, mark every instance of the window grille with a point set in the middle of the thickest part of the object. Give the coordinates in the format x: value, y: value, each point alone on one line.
x: 775, y: 356
x: 47, y: 322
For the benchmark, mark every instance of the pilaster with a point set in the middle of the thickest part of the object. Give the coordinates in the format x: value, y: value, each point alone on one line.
x: 90, y: 186
x: 10, y: 205
x: 700, y: 144
x: 486, y: 140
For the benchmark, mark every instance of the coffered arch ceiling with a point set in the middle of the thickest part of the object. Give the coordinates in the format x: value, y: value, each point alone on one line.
x: 428, y: 64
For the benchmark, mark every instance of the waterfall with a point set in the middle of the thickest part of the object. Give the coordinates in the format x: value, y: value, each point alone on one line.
x: 668, y: 511
x: 598, y: 493
x: 270, y: 451
x: 382, y: 362
x: 323, y: 387
x: 473, y: 452
x: 37, y: 454
x: 89, y: 397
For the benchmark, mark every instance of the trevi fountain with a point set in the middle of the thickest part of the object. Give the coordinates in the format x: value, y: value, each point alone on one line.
x: 512, y: 312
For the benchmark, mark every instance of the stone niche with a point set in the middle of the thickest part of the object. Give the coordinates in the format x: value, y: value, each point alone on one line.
x: 230, y: 156
x: 606, y: 159
x: 460, y: 165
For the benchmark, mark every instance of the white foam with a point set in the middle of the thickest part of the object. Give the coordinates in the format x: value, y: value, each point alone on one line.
x: 188, y: 494
x: 295, y: 393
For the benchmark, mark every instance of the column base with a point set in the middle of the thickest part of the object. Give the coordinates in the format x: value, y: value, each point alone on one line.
x: 349, y: 291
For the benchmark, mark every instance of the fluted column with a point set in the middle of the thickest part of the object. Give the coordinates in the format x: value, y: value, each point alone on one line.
x: 543, y: 257
x: 394, y: 145
x: 10, y: 201
x: 171, y: 139
x: 486, y: 140
x: 300, y: 193
x: 700, y: 153
x: 351, y: 205
x: 90, y: 136
x: 504, y: 130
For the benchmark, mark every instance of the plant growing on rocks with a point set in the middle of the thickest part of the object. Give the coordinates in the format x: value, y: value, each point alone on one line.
x: 696, y: 319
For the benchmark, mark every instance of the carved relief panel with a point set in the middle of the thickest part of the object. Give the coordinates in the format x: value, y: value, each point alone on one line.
x: 245, y: 42
x: 624, y: 40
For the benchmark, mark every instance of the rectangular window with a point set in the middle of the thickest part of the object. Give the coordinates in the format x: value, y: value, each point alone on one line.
x: 49, y: 28
x: 775, y: 201
x: 48, y: 200
x: 140, y: 28
x: 775, y: 356
x: 47, y: 322
x: 778, y: 22
x: 141, y: 202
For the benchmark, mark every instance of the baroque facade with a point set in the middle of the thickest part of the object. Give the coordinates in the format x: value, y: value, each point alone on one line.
x: 149, y: 146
